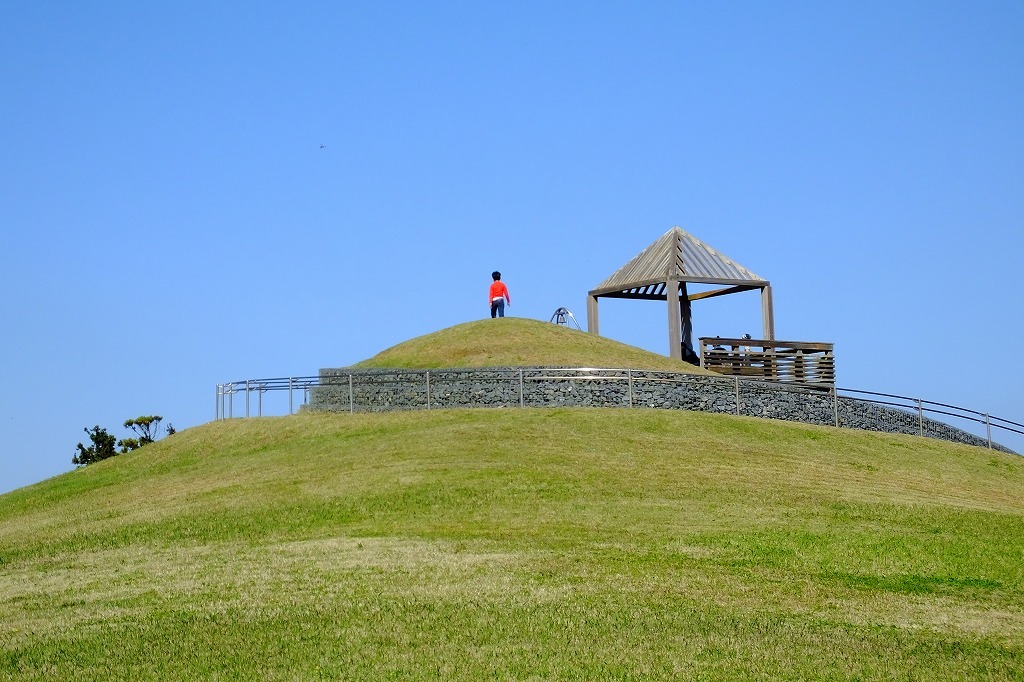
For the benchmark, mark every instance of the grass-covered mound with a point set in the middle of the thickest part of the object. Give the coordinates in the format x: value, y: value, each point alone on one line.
x: 519, y: 342
x: 519, y: 544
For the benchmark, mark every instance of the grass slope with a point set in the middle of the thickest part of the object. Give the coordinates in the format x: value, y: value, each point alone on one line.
x: 519, y: 544
x: 519, y: 342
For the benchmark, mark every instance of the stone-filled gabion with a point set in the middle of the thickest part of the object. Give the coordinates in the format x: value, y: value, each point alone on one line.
x: 378, y: 390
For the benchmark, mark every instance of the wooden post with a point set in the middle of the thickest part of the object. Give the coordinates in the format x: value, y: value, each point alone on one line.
x: 675, y: 345
x: 592, y: 326
x: 767, y: 315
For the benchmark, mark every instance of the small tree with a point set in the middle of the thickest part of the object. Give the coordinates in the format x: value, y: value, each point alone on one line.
x: 145, y: 427
x: 102, y: 447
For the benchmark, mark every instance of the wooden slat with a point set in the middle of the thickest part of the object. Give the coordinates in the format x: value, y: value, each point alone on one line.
x: 635, y: 297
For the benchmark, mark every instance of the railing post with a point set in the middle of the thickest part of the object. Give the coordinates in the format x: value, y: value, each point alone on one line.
x: 428, y: 389
x: 835, y: 405
x: 259, y: 400
x: 290, y: 408
x: 522, y: 402
x: 920, y: 418
x: 231, y: 401
x: 629, y: 380
x: 988, y: 430
x: 216, y: 405
x: 246, y: 398
x: 351, y: 397
x: 737, y: 395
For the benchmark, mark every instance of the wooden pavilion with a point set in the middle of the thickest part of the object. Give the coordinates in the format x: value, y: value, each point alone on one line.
x: 662, y: 271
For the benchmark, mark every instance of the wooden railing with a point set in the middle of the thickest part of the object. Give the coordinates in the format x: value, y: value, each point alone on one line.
x: 788, y: 362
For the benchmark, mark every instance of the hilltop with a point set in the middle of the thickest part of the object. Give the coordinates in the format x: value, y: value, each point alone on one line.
x: 519, y: 342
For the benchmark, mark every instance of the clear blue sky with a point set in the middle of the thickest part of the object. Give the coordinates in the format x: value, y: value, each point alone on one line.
x: 170, y: 219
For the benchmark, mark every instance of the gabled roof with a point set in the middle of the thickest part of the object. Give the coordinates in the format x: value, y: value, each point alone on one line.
x: 676, y: 255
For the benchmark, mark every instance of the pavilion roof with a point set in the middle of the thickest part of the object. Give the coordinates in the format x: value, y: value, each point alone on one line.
x: 676, y: 255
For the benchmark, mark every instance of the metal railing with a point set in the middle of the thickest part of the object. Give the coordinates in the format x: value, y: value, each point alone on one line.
x: 226, y: 393
x: 252, y: 391
x: 922, y: 407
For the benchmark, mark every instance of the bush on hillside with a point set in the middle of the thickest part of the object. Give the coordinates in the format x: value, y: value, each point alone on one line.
x: 104, y: 445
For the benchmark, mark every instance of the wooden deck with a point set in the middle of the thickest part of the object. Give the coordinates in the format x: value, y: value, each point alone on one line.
x: 792, y: 362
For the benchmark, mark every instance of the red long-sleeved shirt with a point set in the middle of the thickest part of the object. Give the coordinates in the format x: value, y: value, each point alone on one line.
x: 498, y: 289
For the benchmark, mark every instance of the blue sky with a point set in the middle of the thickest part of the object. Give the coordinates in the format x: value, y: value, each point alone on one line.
x: 171, y: 221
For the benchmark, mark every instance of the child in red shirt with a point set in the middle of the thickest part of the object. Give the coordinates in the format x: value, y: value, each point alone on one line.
x: 498, y: 295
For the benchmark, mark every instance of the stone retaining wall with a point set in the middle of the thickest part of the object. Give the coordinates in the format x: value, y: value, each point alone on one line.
x: 375, y: 390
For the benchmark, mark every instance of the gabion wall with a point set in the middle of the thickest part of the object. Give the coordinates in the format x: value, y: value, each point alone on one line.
x: 376, y: 390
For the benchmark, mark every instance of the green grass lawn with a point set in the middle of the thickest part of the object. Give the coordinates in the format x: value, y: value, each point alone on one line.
x: 520, y: 342
x: 519, y: 544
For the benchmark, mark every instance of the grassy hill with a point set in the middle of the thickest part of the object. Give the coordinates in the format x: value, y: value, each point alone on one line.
x: 519, y: 342
x: 519, y: 544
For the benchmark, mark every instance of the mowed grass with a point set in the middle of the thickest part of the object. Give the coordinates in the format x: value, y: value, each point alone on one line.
x: 520, y: 342
x: 519, y: 544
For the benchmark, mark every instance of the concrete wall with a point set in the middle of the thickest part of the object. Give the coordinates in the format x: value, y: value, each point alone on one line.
x: 376, y: 390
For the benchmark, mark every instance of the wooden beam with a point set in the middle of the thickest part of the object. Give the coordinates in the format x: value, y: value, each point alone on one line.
x: 754, y: 284
x: 802, y: 345
x: 719, y: 292
x: 592, y: 315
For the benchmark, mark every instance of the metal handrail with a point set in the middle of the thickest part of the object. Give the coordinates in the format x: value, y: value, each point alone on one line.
x: 962, y: 412
x: 226, y: 391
